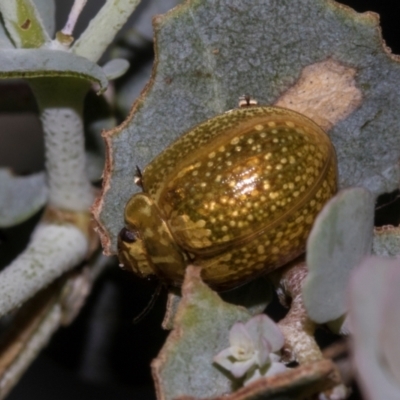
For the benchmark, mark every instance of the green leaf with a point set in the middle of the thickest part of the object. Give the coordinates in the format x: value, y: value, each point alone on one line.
x: 184, y: 368
x: 375, y: 321
x: 103, y: 28
x: 30, y: 63
x: 47, y: 12
x: 208, y: 54
x: 115, y: 68
x: 23, y: 23
x: 20, y: 197
x: 386, y: 241
x: 341, y: 237
x: 201, y: 331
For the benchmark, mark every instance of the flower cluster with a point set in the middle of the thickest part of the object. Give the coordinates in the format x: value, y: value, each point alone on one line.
x: 252, y: 351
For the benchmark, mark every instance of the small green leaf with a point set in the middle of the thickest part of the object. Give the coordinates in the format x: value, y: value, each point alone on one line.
x: 375, y: 320
x: 341, y: 237
x: 201, y: 330
x: 184, y: 368
x: 103, y: 28
x: 20, y: 197
x: 115, y: 68
x: 37, y: 63
x: 47, y: 12
x: 23, y: 23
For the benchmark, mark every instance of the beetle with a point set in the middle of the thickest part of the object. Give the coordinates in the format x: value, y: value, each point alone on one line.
x: 237, y: 195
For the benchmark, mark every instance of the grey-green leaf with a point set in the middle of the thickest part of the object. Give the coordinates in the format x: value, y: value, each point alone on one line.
x: 341, y: 237
x: 37, y: 63
x: 209, y: 54
x: 115, y: 68
x: 23, y: 23
x: 47, y: 12
x: 201, y: 330
x: 20, y: 196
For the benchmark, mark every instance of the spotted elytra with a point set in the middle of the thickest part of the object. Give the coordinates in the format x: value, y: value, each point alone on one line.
x: 236, y: 195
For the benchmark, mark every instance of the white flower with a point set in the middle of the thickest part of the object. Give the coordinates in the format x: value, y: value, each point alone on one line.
x: 252, y: 347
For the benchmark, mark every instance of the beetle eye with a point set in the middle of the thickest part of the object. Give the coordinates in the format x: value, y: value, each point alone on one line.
x: 128, y: 236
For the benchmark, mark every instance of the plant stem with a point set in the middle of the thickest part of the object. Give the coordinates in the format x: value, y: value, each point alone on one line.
x: 73, y: 16
x: 103, y: 28
x: 53, y: 250
x: 60, y: 103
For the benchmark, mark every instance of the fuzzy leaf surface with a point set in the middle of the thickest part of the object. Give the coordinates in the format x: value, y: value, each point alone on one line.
x: 210, y: 52
x: 341, y: 237
x: 20, y: 197
x: 38, y: 63
x: 201, y: 330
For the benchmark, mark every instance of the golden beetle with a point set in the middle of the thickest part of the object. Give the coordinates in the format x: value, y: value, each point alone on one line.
x: 236, y: 195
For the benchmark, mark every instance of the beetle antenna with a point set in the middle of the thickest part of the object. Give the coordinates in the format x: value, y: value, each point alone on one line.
x: 150, y: 304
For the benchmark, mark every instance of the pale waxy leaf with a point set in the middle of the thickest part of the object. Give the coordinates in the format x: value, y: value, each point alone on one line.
x: 341, y: 237
x: 20, y: 196
x: 38, y: 63
x: 208, y: 54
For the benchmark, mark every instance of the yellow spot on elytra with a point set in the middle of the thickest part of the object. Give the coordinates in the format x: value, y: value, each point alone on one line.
x: 273, y: 195
x: 260, y: 249
x: 267, y: 156
x: 259, y: 127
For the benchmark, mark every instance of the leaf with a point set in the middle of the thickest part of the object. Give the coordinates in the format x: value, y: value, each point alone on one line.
x: 115, y: 68
x: 36, y: 63
x: 201, y: 330
x: 297, y: 383
x: 386, y: 241
x: 47, y: 12
x: 20, y: 197
x: 340, y: 238
x: 375, y: 319
x: 209, y: 53
x: 255, y: 296
x: 184, y: 368
x: 103, y: 28
x: 23, y: 23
